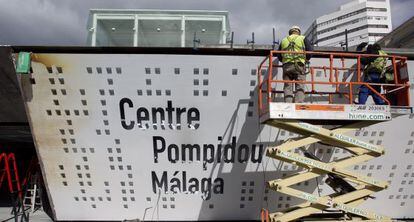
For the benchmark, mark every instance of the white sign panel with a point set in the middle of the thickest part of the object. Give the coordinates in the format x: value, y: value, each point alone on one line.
x: 162, y: 137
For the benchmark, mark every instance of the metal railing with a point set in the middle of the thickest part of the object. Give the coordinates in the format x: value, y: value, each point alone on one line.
x: 9, y: 172
x: 267, y: 84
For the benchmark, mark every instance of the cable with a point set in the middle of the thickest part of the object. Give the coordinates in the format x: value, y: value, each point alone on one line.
x: 317, y: 181
x: 264, y: 171
x: 156, y: 208
x: 317, y: 184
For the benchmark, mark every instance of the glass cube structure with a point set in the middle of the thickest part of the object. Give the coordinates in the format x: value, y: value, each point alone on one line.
x: 157, y: 28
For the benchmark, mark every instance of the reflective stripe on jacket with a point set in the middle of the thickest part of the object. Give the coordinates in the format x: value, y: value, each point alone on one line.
x: 294, y: 43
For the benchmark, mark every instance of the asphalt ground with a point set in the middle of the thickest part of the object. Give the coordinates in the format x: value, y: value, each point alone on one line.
x: 37, y: 216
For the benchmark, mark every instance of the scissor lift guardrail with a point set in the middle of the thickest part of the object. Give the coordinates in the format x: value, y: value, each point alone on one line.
x: 327, y: 124
x: 398, y: 64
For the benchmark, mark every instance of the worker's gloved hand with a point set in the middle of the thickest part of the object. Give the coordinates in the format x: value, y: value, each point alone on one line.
x: 307, y: 67
x: 361, y: 46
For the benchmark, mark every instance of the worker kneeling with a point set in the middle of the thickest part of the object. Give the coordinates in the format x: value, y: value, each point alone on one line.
x: 294, y: 64
x: 373, y: 72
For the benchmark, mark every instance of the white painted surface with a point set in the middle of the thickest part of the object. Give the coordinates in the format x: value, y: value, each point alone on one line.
x: 97, y: 170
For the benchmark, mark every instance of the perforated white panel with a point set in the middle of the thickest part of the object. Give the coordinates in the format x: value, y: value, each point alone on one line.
x: 176, y: 137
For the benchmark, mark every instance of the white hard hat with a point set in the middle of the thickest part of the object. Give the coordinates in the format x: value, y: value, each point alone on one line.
x: 295, y: 27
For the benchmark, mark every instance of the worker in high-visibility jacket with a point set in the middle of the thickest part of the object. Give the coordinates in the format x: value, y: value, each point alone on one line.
x: 373, y: 73
x: 294, y: 64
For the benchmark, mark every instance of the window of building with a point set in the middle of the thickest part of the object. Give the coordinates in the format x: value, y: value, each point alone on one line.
x: 351, y: 14
x: 355, y: 30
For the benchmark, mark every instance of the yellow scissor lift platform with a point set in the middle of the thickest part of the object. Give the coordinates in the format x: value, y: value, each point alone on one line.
x: 304, y: 119
x: 327, y: 124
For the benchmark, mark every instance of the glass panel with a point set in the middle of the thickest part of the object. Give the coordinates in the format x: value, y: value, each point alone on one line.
x: 160, y: 33
x: 119, y: 32
x: 209, y: 32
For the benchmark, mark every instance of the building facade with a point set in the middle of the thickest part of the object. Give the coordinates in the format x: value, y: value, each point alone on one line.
x: 363, y: 20
x: 157, y: 28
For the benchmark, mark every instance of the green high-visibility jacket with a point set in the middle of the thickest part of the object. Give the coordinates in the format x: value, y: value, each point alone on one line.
x: 294, y: 43
x: 379, y: 64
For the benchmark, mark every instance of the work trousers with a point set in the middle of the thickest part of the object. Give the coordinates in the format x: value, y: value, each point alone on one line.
x: 364, y: 91
x: 292, y: 71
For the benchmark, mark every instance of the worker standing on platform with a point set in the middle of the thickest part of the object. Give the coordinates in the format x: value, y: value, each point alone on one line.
x: 374, y: 69
x: 294, y: 64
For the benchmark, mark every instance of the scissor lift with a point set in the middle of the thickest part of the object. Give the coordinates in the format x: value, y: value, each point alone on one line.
x: 328, y: 123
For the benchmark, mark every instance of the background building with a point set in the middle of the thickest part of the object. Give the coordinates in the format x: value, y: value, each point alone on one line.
x: 162, y: 28
x: 365, y: 20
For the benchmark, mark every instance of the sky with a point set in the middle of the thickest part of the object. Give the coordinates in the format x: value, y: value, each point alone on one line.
x: 64, y: 22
